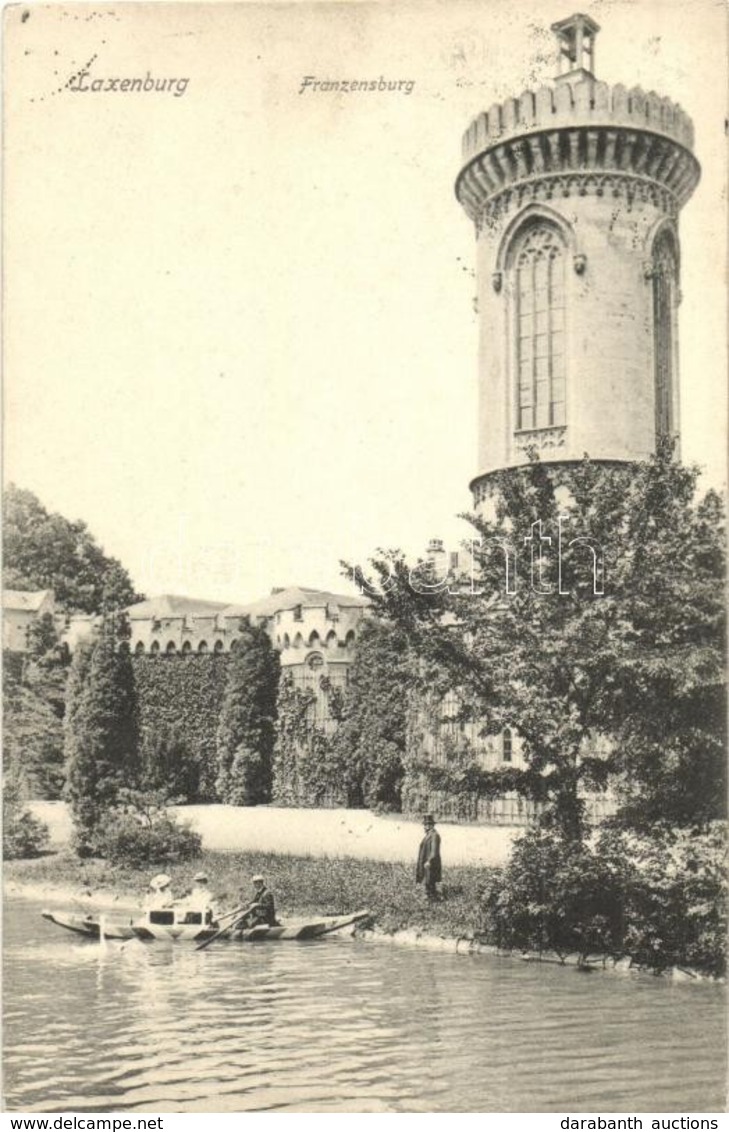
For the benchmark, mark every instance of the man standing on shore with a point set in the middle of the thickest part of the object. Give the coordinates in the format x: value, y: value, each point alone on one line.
x: 429, y: 864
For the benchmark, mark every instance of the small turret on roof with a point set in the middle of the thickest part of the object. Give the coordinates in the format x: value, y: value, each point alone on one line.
x: 576, y: 39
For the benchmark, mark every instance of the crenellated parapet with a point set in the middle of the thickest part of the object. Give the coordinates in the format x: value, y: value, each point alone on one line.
x: 578, y: 138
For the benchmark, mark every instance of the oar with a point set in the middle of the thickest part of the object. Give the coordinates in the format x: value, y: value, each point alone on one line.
x: 235, y: 917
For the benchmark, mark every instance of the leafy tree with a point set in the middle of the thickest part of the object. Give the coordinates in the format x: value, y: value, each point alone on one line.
x: 370, y: 740
x: 42, y: 550
x: 246, y: 730
x: 621, y: 686
x: 34, y: 702
x: 101, y: 732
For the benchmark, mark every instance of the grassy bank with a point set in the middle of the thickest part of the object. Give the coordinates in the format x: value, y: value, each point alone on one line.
x: 302, y: 885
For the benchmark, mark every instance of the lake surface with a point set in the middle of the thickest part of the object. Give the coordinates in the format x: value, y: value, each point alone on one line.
x: 341, y: 1025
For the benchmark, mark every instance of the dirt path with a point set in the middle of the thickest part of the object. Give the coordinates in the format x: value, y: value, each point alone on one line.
x: 319, y: 833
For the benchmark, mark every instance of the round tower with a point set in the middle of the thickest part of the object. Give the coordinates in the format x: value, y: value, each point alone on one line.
x: 575, y: 191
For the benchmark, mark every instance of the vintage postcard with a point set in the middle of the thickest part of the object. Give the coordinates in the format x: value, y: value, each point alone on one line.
x: 292, y: 285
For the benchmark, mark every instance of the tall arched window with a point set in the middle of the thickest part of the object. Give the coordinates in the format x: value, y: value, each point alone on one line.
x: 506, y: 745
x: 538, y: 265
x: 665, y: 287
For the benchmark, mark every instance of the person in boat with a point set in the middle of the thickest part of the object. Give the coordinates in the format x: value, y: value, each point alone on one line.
x: 160, y: 893
x: 429, y: 868
x: 199, y: 899
x: 263, y: 907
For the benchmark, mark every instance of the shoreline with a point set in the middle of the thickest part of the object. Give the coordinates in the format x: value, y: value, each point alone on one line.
x: 126, y: 901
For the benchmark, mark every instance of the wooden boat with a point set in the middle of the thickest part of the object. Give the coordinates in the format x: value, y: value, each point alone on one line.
x: 188, y: 924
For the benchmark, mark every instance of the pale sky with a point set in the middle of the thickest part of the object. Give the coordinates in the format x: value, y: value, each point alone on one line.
x: 239, y: 329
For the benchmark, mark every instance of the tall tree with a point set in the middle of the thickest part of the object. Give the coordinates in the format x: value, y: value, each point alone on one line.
x: 34, y: 686
x: 611, y: 674
x: 101, y: 742
x: 246, y: 730
x: 370, y: 739
x: 45, y: 551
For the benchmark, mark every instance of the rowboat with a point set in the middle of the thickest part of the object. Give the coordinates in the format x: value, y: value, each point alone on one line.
x: 186, y: 924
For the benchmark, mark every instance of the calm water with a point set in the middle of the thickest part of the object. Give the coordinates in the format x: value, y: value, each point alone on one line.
x: 342, y: 1026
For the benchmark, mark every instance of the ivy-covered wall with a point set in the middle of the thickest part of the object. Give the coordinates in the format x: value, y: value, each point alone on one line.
x: 306, y: 767
x: 183, y: 694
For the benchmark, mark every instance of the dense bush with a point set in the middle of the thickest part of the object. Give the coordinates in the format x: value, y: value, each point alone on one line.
x: 660, y: 898
x: 675, y: 895
x: 140, y: 831
x: 555, y: 895
x: 169, y: 763
x: 23, y: 834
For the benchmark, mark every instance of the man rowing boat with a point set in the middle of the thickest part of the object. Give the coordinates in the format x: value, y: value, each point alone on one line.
x: 263, y: 907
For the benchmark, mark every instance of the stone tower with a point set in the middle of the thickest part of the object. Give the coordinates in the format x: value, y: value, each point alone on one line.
x: 575, y: 191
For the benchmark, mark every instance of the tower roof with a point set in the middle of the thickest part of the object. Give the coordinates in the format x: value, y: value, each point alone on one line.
x: 25, y: 601
x: 292, y: 596
x: 571, y: 23
x: 174, y: 605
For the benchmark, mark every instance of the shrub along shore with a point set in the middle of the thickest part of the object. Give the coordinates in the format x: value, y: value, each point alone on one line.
x: 305, y: 886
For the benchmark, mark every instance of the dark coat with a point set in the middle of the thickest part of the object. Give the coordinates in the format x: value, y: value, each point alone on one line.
x: 264, y: 910
x: 429, y: 854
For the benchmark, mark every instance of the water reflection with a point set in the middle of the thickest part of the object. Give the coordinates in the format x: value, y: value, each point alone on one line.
x: 341, y: 1026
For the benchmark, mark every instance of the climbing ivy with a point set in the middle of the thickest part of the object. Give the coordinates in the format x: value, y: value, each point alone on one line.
x: 307, y: 770
x: 182, y: 696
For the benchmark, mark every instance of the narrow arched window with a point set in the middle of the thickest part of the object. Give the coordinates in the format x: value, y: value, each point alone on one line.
x: 538, y: 264
x: 665, y: 279
x: 506, y: 745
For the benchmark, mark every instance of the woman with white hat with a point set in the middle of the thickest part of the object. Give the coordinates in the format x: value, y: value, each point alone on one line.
x: 160, y: 894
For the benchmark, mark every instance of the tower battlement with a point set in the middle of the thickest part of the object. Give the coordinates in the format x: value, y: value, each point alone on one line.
x: 579, y: 128
x: 584, y: 101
